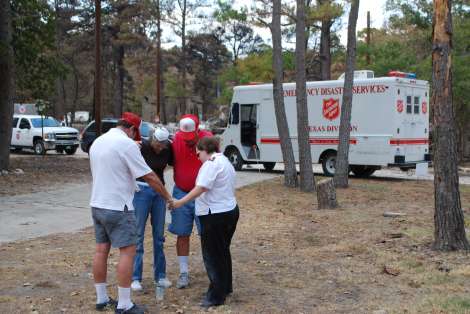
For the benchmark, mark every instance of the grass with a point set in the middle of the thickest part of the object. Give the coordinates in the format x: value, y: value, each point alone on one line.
x: 454, y: 304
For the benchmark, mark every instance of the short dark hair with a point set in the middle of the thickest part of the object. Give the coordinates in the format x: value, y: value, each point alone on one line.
x: 209, y: 144
x: 124, y: 124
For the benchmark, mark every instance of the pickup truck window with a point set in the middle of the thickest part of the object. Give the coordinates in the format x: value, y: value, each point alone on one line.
x: 48, y: 122
x: 15, y: 122
x: 24, y: 124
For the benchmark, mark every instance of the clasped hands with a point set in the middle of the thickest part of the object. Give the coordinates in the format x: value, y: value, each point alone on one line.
x: 174, y: 203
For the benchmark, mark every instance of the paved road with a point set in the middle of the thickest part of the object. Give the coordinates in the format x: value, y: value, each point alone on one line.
x: 387, y: 173
x: 66, y: 209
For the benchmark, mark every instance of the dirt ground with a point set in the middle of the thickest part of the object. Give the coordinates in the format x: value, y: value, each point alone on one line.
x: 42, y: 173
x: 288, y: 257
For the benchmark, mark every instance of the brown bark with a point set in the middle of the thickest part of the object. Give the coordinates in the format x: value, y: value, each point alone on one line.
x: 97, y: 95
x: 61, y: 95
x: 325, y: 47
x: 6, y: 83
x: 326, y: 194
x: 449, y: 227
x: 290, y: 171
x: 342, y: 159
x: 158, y: 95
x: 307, y: 180
x: 184, y: 107
x: 118, y: 95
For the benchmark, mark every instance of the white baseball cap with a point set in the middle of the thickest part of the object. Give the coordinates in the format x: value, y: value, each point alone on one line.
x: 161, y: 134
x: 188, y: 128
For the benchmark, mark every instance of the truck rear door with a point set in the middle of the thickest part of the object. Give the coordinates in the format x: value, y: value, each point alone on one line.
x: 413, y: 137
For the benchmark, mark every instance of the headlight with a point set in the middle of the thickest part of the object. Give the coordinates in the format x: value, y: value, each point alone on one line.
x: 50, y: 136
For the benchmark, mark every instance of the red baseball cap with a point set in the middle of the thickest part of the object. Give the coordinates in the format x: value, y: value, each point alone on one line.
x: 188, y: 127
x: 135, y: 120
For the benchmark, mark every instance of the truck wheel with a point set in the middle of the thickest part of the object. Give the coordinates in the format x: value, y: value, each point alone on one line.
x: 362, y: 171
x: 329, y: 164
x: 39, y: 147
x: 269, y: 166
x: 71, y: 151
x: 235, y: 158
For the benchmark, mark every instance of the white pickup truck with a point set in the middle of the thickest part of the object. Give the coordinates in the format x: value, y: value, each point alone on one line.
x: 32, y: 133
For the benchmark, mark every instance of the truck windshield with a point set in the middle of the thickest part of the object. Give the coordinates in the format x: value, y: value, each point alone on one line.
x: 48, y: 122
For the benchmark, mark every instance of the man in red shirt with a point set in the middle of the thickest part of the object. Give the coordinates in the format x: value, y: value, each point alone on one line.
x: 185, y: 168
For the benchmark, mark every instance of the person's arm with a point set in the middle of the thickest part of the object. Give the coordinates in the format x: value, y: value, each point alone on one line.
x: 155, y: 183
x: 195, y: 192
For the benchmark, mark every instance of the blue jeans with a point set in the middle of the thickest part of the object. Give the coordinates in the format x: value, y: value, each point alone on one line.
x: 146, y: 202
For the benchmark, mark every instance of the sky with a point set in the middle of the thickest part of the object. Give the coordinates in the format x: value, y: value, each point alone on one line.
x: 376, y: 8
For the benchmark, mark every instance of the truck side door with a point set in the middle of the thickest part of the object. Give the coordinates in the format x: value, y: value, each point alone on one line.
x: 14, y: 133
x: 25, y: 133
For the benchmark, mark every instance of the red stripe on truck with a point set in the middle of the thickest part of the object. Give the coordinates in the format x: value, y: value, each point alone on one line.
x: 409, y: 141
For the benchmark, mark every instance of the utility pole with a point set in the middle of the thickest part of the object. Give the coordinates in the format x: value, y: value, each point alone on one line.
x: 98, y: 67
x: 159, y: 60
x: 368, y: 38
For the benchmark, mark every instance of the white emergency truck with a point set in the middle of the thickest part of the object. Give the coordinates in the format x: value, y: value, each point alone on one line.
x: 42, y: 134
x: 389, y: 123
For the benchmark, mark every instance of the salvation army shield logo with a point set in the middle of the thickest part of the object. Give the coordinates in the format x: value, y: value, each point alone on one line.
x: 400, y: 106
x: 424, y: 107
x: 331, y: 108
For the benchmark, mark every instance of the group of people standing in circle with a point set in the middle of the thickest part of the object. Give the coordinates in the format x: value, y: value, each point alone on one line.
x: 203, y: 193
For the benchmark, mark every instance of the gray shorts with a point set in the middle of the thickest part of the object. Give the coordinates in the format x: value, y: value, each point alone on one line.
x: 116, y: 227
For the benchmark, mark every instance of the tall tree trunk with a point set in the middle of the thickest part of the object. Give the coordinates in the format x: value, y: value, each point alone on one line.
x: 60, y: 96
x: 164, y: 117
x: 325, y: 47
x: 183, y: 58
x: 290, y: 171
x: 118, y: 95
x: 325, y: 50
x: 6, y: 83
x: 97, y: 108
x: 449, y: 228
x: 307, y: 180
x: 342, y: 159
x: 158, y: 94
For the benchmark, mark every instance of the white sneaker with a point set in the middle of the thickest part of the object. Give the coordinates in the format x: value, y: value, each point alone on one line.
x: 164, y: 282
x: 183, y: 281
x: 136, y: 286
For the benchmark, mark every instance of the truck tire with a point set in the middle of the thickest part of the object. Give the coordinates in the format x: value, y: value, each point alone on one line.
x: 71, y: 151
x: 329, y: 163
x: 269, y: 166
x: 39, y: 148
x: 234, y: 157
x: 362, y: 171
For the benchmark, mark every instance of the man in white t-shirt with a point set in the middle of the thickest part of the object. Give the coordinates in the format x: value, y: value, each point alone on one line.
x: 116, y: 162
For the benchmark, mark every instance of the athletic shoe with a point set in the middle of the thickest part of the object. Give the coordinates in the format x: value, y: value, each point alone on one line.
x: 164, y: 282
x: 183, y: 281
x: 135, y: 309
x: 111, y: 304
x: 136, y: 286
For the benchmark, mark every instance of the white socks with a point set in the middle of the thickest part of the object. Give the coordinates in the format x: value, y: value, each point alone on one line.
x: 101, y: 293
x: 124, y: 300
x: 183, y: 260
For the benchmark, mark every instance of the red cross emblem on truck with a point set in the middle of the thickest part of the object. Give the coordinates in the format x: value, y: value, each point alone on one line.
x: 331, y: 108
